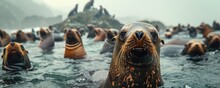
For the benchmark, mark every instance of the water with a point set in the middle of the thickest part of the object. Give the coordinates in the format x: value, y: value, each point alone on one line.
x: 51, y: 70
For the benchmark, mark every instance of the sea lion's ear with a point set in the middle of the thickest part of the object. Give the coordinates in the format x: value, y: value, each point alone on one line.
x: 162, y: 41
x: 114, y: 38
x: 27, y: 52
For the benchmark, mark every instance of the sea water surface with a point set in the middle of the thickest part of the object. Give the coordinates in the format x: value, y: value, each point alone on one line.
x: 51, y: 70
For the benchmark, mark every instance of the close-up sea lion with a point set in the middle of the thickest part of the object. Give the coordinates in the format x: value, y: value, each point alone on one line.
x: 15, y: 57
x: 100, y: 34
x: 46, y: 40
x: 213, y: 41
x: 4, y: 38
x: 136, y: 58
x: 194, y: 48
x: 109, y: 43
x: 74, y: 48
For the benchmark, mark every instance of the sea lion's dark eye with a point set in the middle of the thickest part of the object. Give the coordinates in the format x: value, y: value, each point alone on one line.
x: 22, y: 47
x: 154, y: 36
x: 122, y: 35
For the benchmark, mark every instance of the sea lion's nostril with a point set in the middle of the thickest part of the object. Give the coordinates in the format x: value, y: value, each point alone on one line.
x: 139, y: 34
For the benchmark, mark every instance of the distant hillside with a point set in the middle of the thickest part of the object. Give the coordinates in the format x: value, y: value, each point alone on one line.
x: 14, y: 12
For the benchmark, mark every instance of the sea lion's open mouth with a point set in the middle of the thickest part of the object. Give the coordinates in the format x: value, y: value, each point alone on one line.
x: 15, y: 57
x: 139, y: 56
x: 71, y: 39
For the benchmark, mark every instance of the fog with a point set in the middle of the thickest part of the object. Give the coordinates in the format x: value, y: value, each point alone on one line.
x: 171, y: 12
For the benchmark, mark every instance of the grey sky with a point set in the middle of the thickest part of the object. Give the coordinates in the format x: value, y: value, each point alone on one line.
x: 171, y: 12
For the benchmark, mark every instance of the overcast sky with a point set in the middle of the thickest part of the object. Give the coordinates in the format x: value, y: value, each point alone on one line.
x: 171, y: 12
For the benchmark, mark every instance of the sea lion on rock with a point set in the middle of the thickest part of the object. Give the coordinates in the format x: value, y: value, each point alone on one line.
x: 74, y: 11
x: 74, y: 48
x: 194, y: 48
x: 46, y: 40
x: 136, y: 58
x: 15, y: 57
x: 109, y: 44
x: 213, y: 41
x: 4, y: 38
x: 100, y: 34
x: 88, y: 5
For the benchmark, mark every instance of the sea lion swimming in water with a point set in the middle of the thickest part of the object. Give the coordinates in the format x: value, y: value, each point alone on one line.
x: 4, y: 38
x: 194, y: 48
x: 46, y: 40
x: 136, y: 58
x: 205, y: 29
x: 91, y: 31
x: 213, y: 41
x: 168, y: 34
x: 109, y: 44
x: 15, y: 57
x: 100, y: 34
x: 20, y: 36
x: 74, y: 48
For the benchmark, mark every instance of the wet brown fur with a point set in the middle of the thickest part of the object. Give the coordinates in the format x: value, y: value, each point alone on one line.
x: 125, y: 74
x: 74, y: 50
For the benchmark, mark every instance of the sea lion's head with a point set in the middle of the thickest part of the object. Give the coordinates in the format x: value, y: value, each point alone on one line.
x: 72, y: 36
x: 31, y: 36
x: 136, y: 55
x: 20, y: 36
x: 15, y: 57
x: 2, y: 33
x: 205, y: 29
x: 91, y: 31
x: 74, y: 45
x: 213, y: 41
x: 192, y: 32
x: 44, y: 33
x: 194, y: 48
x: 109, y: 41
x: 100, y: 34
x: 138, y: 44
x: 168, y: 34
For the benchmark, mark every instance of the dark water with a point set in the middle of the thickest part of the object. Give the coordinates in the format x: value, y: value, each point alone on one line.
x: 51, y: 70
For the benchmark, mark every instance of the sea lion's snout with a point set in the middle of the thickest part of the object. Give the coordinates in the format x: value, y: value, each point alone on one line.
x: 139, y: 34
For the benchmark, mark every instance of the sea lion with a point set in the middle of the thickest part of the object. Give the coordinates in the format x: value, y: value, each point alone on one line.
x: 21, y: 36
x: 194, y: 48
x: 177, y: 41
x: 216, y: 25
x: 99, y: 13
x: 81, y: 30
x: 136, y: 58
x: 106, y: 12
x: 4, y: 38
x: 46, y: 40
x: 74, y: 46
x: 168, y: 34
x: 192, y: 32
x: 15, y: 57
x: 205, y: 29
x: 91, y: 31
x: 109, y: 44
x: 213, y: 41
x: 73, y: 11
x: 100, y: 34
x: 31, y: 36
x: 88, y: 5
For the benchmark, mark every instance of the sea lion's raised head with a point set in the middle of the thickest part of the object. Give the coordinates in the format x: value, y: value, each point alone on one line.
x: 136, y: 55
x: 74, y: 48
x: 100, y: 34
x: 20, y: 36
x: 194, y: 48
x: 72, y: 36
x: 213, y: 41
x: 44, y: 33
x: 15, y: 57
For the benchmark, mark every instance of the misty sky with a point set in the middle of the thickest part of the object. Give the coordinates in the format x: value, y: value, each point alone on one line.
x: 171, y: 12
